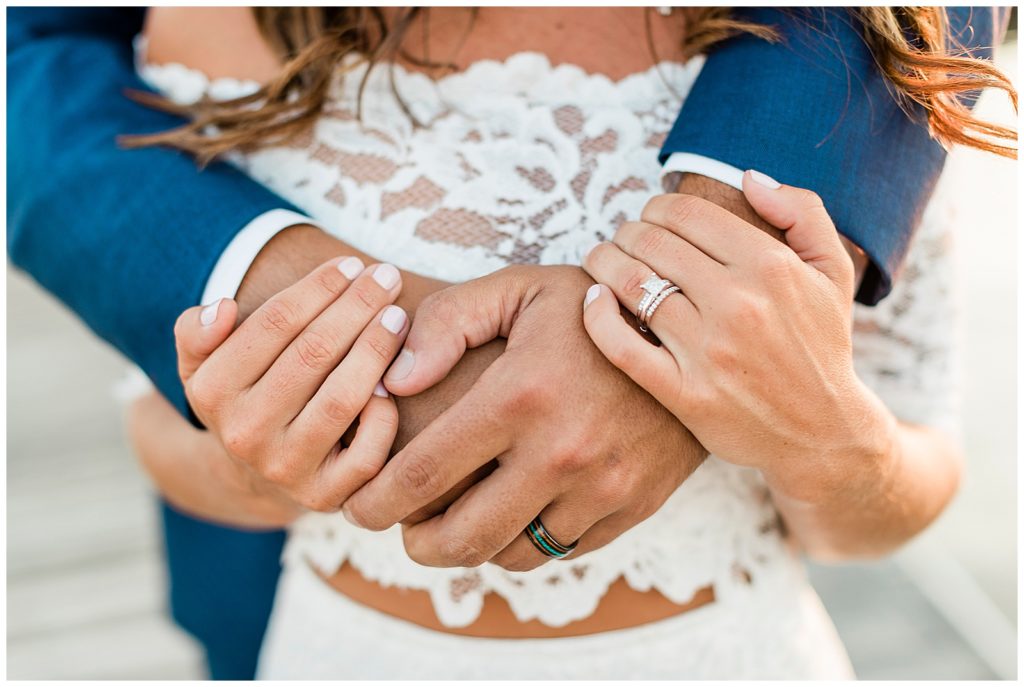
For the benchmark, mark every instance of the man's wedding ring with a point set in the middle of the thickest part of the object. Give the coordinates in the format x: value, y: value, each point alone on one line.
x: 656, y: 290
x: 545, y: 543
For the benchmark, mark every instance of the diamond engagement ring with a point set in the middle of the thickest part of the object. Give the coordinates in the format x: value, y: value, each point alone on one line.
x: 656, y: 290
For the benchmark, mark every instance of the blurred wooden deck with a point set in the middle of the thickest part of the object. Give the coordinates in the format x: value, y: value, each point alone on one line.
x: 84, y: 569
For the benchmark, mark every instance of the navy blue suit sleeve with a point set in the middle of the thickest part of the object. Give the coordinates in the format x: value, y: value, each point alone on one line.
x: 125, y: 238
x: 814, y: 111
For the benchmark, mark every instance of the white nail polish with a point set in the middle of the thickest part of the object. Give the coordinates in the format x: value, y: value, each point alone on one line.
x: 208, y: 315
x: 763, y: 179
x: 393, y: 319
x: 402, y: 366
x: 351, y: 267
x: 386, y: 275
x: 592, y: 293
x: 379, y: 390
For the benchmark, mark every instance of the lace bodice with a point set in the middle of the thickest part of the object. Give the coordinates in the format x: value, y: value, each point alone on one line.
x: 522, y: 162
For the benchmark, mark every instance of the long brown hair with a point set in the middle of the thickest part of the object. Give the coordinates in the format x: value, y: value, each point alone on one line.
x: 912, y: 47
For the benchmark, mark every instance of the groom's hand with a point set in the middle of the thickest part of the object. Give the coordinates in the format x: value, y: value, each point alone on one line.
x: 574, y: 439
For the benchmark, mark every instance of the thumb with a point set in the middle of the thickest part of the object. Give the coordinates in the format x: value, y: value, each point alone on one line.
x: 448, y: 322
x: 199, y: 331
x: 809, y: 230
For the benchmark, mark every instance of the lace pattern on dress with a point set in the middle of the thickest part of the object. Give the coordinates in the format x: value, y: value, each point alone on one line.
x: 523, y: 162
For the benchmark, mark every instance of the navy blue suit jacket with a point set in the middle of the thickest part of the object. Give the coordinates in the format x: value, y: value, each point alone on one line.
x: 127, y: 239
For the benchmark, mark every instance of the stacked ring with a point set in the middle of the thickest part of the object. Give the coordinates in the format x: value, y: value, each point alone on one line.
x: 656, y: 290
x: 545, y: 543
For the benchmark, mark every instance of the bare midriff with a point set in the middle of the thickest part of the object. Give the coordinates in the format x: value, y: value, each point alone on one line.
x: 621, y: 607
x: 225, y: 42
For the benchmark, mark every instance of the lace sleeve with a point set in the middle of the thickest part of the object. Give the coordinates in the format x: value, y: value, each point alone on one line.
x: 905, y: 348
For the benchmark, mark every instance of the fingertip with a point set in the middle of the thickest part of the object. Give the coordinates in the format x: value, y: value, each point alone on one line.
x: 599, y: 308
x: 761, y: 180
x: 201, y: 329
x: 217, y: 313
x: 592, y: 294
x: 395, y: 320
x: 399, y: 377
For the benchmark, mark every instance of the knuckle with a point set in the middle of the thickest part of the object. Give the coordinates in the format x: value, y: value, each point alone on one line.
x: 420, y: 475
x: 746, y: 313
x: 328, y: 281
x: 278, y: 472
x: 529, y: 394
x: 364, y: 470
x: 314, y: 350
x: 388, y: 420
x: 774, y: 264
x: 442, y: 306
x: 615, y: 487
x: 364, y: 515
x: 634, y: 280
x: 650, y: 241
x: 457, y: 552
x: 380, y: 349
x: 568, y: 461
x: 277, y: 316
x: 339, y: 407
x: 365, y: 295
x: 722, y: 354
x: 239, y: 441
x: 683, y: 208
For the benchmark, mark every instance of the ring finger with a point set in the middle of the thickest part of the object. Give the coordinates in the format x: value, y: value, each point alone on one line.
x: 564, y: 521
x: 672, y: 257
x: 625, y: 275
x: 479, y: 524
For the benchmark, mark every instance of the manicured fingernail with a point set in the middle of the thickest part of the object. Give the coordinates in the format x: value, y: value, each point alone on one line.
x: 386, y: 275
x: 379, y: 390
x: 763, y: 179
x: 402, y: 366
x: 592, y: 293
x: 351, y: 267
x: 208, y: 315
x: 393, y: 318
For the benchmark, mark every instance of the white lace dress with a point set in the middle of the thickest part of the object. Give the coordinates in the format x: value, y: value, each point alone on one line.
x: 522, y: 162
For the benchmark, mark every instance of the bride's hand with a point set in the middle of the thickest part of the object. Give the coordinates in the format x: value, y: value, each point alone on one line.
x: 757, y: 357
x: 194, y: 473
x: 281, y: 389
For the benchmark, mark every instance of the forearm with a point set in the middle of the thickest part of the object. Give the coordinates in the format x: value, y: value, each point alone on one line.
x: 876, y: 502
x: 190, y: 469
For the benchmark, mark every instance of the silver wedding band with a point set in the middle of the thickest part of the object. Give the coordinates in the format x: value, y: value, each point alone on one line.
x: 656, y: 290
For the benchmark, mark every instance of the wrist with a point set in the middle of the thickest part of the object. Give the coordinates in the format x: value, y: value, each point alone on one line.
x: 859, y: 457
x: 294, y: 252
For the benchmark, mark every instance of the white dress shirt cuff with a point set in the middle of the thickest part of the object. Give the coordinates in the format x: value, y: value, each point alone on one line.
x: 236, y: 259
x: 680, y: 163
